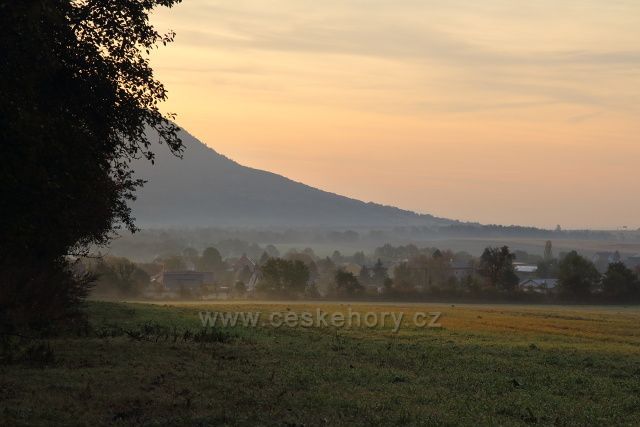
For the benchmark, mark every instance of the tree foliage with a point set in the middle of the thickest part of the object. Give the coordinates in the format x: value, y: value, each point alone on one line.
x: 211, y: 260
x: 347, y: 283
x: 548, y: 251
x: 78, y: 102
x: 577, y: 276
x: 425, y: 273
x: 120, y: 277
x: 378, y: 273
x: 547, y: 268
x: 282, y: 277
x: 496, y: 266
x: 620, y: 282
x: 404, y: 278
x: 364, y: 277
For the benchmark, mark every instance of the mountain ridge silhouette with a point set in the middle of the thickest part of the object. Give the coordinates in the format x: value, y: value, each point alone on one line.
x: 206, y: 188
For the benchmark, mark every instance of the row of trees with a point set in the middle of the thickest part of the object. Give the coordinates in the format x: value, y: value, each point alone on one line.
x: 494, y: 273
x: 579, y: 277
x: 292, y: 277
x: 440, y: 273
x: 118, y: 277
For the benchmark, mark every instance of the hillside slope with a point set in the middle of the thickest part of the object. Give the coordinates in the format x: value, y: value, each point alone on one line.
x: 207, y: 189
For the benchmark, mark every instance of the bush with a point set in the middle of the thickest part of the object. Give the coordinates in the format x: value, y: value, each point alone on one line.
x: 46, y: 301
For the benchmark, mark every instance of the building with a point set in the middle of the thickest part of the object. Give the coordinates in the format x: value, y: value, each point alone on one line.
x: 541, y: 286
x: 255, y: 278
x: 525, y: 268
x: 247, y: 271
x: 525, y: 271
x: 244, y: 262
x: 461, y: 269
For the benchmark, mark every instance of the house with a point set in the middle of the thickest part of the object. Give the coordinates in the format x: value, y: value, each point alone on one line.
x: 247, y: 271
x: 525, y: 268
x: 525, y: 271
x: 244, y: 262
x: 253, y: 281
x: 461, y: 269
x: 539, y: 285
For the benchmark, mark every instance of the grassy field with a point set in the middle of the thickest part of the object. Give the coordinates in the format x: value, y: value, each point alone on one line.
x: 487, y: 365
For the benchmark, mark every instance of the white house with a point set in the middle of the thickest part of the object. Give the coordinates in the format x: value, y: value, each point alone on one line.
x: 539, y: 285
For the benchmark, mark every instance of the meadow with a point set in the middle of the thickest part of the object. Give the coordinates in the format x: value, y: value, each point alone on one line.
x: 154, y: 364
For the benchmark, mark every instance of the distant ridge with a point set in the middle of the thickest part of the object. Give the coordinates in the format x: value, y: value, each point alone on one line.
x: 207, y: 189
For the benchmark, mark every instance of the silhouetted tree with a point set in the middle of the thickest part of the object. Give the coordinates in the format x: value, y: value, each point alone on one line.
x: 263, y: 258
x: 378, y: 273
x: 437, y: 269
x: 211, y: 260
x: 404, y: 279
x: 359, y: 258
x: 547, y: 269
x: 239, y: 288
x: 281, y: 277
x: 78, y: 102
x: 337, y: 257
x: 311, y: 291
x: 620, y: 282
x: 364, y: 276
x: 174, y: 263
x: 496, y: 266
x: 577, y: 276
x: 121, y: 277
x: 272, y: 251
x: 347, y: 283
x: 548, y: 251
x: 310, y: 253
x: 387, y: 285
x: 326, y: 273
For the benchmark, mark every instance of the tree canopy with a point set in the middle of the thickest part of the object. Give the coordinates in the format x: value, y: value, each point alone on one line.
x: 79, y: 101
x: 577, y: 275
x: 496, y: 265
x: 347, y: 283
x: 211, y: 260
x: 283, y: 277
x: 620, y: 282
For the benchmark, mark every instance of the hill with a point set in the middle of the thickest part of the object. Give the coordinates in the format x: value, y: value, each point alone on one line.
x: 206, y: 189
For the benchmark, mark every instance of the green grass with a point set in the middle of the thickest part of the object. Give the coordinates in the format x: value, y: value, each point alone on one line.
x: 488, y: 365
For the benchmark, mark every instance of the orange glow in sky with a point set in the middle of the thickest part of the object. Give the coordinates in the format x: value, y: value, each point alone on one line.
x: 508, y: 112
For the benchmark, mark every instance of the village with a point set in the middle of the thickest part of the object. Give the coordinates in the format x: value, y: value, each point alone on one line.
x: 404, y: 272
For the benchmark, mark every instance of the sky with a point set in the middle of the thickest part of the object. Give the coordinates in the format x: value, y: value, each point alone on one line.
x: 496, y: 111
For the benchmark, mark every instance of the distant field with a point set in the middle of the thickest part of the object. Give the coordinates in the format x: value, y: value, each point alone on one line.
x: 486, y: 365
x: 324, y: 249
x: 536, y: 246
x: 475, y: 246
